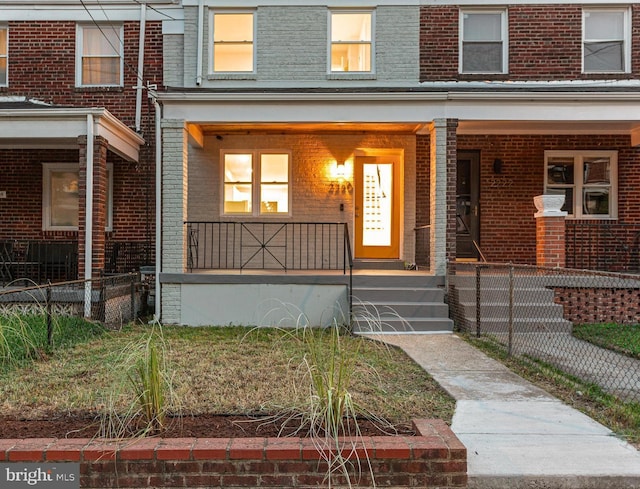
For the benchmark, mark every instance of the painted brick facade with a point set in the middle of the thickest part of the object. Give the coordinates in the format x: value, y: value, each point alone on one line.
x: 545, y: 43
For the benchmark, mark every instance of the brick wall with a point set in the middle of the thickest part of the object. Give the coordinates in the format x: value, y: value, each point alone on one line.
x: 433, y: 459
x: 589, y: 305
x: 545, y: 43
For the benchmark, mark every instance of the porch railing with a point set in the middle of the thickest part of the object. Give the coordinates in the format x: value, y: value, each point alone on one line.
x: 268, y: 246
x: 127, y: 256
x: 38, y: 261
x: 603, y: 245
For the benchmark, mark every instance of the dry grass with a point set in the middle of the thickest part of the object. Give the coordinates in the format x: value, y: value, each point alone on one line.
x: 221, y: 371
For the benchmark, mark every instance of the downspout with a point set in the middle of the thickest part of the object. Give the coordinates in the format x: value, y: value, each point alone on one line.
x: 88, y: 224
x: 157, y: 314
x: 199, y: 47
x: 139, y: 86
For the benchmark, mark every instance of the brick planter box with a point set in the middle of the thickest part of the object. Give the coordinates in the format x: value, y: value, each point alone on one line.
x: 434, y: 458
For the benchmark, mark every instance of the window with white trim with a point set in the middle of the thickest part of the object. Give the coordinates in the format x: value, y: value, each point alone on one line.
x: 483, y: 41
x: 60, y: 202
x: 99, y: 55
x: 351, y: 45
x: 606, y: 40
x: 256, y: 176
x: 587, y: 179
x: 4, y: 55
x: 233, y: 37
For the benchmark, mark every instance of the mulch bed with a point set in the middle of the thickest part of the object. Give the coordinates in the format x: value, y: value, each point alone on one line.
x: 85, y: 425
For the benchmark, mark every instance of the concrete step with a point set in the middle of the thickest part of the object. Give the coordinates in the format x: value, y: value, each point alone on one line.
x: 528, y: 325
x: 406, y: 310
x: 371, y: 264
x: 399, y: 279
x: 411, y: 294
x: 492, y: 294
x: 520, y: 311
x: 396, y: 325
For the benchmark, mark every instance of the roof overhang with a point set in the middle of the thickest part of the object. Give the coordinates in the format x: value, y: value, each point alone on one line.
x: 53, y: 127
x: 478, y: 111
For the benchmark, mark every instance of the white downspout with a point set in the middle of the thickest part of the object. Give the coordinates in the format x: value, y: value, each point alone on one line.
x: 139, y: 84
x: 199, y: 47
x: 158, y: 312
x: 88, y: 224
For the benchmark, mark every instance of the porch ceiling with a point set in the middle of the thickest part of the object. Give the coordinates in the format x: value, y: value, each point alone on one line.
x: 311, y: 127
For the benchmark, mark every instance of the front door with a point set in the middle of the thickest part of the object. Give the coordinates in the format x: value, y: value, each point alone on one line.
x: 467, y: 205
x: 377, y: 212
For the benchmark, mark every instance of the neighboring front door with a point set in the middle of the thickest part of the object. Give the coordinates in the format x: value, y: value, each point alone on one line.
x: 377, y: 212
x: 467, y: 205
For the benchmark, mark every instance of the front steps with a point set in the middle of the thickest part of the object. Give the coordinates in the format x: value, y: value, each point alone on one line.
x: 407, y: 302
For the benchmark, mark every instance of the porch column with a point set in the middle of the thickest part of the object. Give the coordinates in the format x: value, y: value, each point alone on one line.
x: 442, y: 190
x: 550, y: 231
x: 174, y: 213
x: 99, y: 214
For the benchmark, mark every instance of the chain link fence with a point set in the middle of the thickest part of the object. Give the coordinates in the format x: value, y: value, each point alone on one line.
x: 112, y: 301
x: 543, y: 313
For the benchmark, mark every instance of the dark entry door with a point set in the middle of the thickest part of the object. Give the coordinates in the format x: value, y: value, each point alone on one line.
x: 468, y: 204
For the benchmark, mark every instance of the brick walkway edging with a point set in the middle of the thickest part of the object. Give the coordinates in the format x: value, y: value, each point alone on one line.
x: 433, y: 458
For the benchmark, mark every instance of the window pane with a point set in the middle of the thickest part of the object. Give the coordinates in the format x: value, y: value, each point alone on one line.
x: 351, y: 27
x: 3, y: 71
x: 596, y: 171
x: 101, y: 71
x: 274, y: 168
x: 595, y: 201
x: 482, y: 27
x: 351, y: 57
x: 275, y: 198
x: 604, y: 56
x: 482, y: 57
x: 237, y: 199
x: 232, y: 27
x: 568, y: 197
x: 3, y: 42
x: 100, y: 42
x: 604, y: 25
x: 560, y: 170
x: 233, y: 57
x: 237, y: 167
x: 64, y: 198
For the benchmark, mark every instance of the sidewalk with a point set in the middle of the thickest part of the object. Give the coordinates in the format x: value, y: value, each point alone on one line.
x: 517, y: 435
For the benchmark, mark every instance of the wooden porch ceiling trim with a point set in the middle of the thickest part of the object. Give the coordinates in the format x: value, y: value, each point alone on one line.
x: 310, y: 127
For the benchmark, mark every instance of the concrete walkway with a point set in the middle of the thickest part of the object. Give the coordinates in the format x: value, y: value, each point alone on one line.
x: 517, y: 435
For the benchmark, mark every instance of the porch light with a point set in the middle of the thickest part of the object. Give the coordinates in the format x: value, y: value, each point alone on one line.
x: 340, y: 171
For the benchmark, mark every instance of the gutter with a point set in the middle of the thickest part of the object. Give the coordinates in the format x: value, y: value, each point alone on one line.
x: 88, y: 225
x: 200, y: 41
x: 158, y: 144
x: 139, y: 86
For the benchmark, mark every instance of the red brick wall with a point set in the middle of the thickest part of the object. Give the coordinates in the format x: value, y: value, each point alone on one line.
x: 434, y: 459
x: 592, y: 305
x: 545, y: 43
x: 507, y: 225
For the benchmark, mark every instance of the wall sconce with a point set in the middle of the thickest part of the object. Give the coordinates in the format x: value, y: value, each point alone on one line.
x: 497, y: 166
x: 340, y: 171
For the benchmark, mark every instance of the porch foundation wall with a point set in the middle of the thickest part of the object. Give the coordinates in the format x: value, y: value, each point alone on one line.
x: 594, y: 305
x: 433, y: 459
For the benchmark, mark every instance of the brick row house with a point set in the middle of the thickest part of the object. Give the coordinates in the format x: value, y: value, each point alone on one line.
x: 77, y: 137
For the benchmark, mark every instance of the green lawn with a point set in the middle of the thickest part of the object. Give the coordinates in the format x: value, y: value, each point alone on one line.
x: 619, y: 337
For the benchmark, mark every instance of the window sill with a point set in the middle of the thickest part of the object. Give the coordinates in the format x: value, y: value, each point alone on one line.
x: 100, y: 88
x: 232, y: 76
x: 351, y: 76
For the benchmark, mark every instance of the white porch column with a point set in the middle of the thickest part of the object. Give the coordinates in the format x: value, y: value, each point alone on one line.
x: 442, y: 193
x: 174, y: 213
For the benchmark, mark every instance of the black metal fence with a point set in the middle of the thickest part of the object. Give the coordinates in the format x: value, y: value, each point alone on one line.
x: 268, y: 245
x: 38, y: 260
x: 113, y: 301
x: 543, y: 313
x: 128, y: 256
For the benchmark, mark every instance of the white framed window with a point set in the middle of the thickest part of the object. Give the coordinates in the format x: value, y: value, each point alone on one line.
x: 99, y: 55
x: 587, y: 179
x: 4, y: 55
x: 351, y: 37
x: 483, y: 41
x: 60, y: 202
x: 606, y: 43
x: 233, y: 34
x: 256, y: 183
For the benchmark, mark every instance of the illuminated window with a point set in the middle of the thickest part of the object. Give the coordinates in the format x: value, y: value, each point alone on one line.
x: 351, y: 45
x: 588, y: 180
x: 606, y: 40
x: 99, y: 55
x: 233, y: 42
x: 60, y: 206
x: 3, y: 55
x: 483, y: 42
x: 256, y: 177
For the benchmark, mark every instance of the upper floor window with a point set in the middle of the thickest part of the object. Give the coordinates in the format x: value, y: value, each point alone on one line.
x: 351, y: 46
x: 483, y: 41
x: 256, y: 176
x: 99, y: 57
x: 587, y: 179
x: 4, y: 52
x: 606, y: 41
x: 233, y: 42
